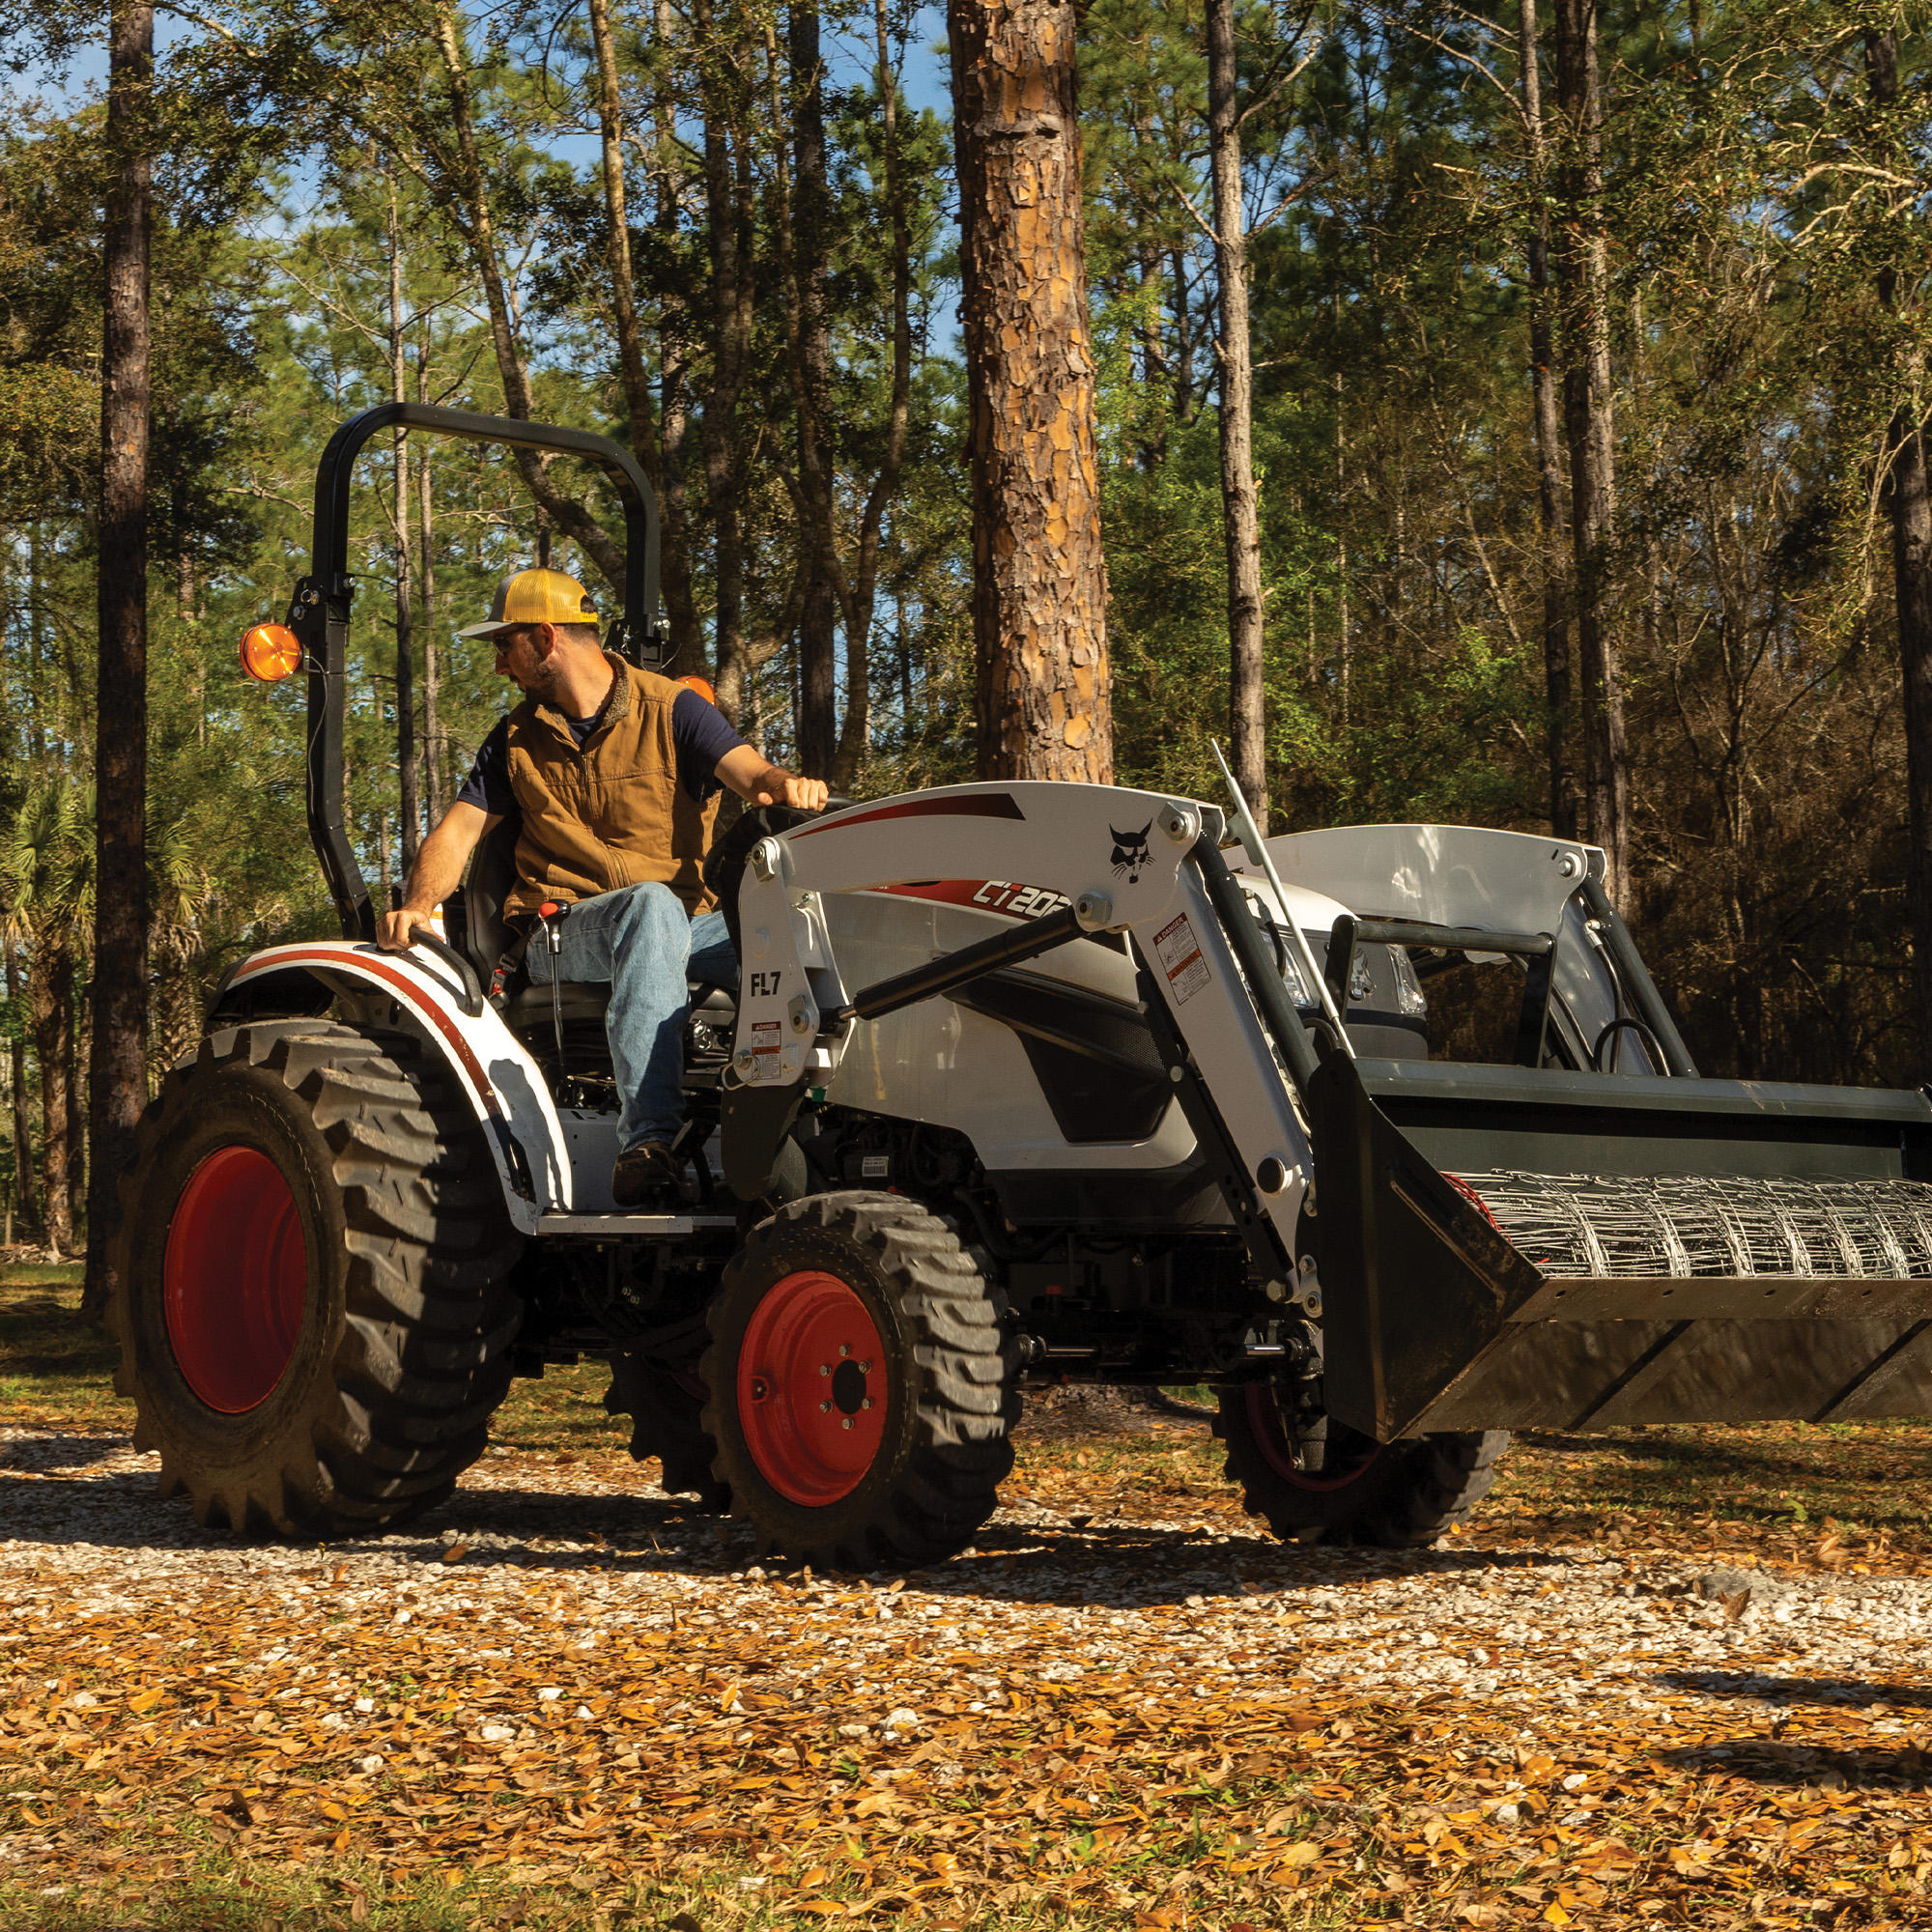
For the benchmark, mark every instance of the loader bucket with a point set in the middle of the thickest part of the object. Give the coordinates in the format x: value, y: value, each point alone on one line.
x: 1511, y: 1248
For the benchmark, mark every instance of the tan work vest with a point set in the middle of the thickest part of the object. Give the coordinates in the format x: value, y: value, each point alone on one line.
x: 612, y: 813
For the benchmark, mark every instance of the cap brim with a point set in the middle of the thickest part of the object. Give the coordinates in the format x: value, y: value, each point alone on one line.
x: 486, y: 629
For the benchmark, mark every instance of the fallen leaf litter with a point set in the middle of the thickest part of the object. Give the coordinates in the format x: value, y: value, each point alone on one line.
x: 1163, y: 1717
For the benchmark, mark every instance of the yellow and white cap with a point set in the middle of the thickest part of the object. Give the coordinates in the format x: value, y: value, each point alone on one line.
x: 534, y: 597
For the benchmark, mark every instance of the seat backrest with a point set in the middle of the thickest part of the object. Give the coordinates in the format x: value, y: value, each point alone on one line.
x: 493, y: 873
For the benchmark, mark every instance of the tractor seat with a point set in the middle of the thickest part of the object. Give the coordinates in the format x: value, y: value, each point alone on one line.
x: 529, y: 1006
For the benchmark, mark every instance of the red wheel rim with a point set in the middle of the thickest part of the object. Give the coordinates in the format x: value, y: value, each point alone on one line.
x: 812, y: 1388
x: 234, y: 1280
x: 1278, y: 1447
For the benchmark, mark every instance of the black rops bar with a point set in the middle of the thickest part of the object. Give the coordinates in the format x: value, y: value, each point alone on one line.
x: 320, y: 614
x: 1349, y: 930
x: 1263, y: 975
x: 1636, y: 979
x: 954, y: 969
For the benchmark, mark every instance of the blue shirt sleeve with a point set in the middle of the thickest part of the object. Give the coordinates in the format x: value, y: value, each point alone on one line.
x: 488, y: 785
x: 701, y: 736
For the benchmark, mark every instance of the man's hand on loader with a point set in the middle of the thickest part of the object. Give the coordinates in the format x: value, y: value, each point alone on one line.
x: 394, y: 930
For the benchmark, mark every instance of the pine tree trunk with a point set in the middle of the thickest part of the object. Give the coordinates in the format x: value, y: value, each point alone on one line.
x: 1908, y: 500
x: 1549, y: 424
x: 408, y: 772
x: 730, y: 352
x: 818, y: 613
x: 1240, y: 514
x: 687, y: 635
x: 53, y: 1048
x: 1040, y: 576
x: 17, y: 1061
x: 1590, y: 427
x: 118, y: 1064
x: 434, y: 792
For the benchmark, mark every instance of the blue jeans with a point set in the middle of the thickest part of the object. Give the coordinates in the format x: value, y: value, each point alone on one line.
x: 639, y: 942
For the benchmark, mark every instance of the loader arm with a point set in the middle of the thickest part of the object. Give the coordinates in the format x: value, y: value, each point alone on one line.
x: 1128, y: 862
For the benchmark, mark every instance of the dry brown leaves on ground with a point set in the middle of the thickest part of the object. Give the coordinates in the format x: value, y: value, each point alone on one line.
x: 564, y: 1697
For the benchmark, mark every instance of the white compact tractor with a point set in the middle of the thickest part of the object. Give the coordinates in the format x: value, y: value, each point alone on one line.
x: 1025, y: 1082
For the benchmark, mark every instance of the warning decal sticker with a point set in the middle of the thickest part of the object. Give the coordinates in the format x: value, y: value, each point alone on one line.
x: 1180, y: 958
x: 766, y: 1037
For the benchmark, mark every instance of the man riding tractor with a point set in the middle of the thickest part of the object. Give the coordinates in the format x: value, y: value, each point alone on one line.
x: 612, y: 773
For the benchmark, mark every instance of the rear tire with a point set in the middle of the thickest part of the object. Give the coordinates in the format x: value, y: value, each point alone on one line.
x: 310, y: 1281
x: 1314, y: 1480
x: 862, y: 1384
x: 666, y: 1410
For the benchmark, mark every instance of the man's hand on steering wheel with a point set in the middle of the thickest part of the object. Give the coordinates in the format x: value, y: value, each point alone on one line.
x: 801, y: 794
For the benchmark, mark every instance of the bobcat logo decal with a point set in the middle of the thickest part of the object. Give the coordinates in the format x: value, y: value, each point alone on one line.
x: 1130, y: 851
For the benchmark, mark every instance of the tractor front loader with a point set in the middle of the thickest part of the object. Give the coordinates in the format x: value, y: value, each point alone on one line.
x: 1021, y: 1082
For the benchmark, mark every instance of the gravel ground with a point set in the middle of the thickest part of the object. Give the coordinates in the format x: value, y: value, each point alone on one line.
x: 1530, y: 1631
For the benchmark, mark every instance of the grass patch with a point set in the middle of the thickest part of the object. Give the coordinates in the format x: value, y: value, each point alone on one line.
x: 55, y: 1369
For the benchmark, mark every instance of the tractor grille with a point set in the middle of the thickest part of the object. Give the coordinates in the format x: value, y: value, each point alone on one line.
x: 1612, y: 1225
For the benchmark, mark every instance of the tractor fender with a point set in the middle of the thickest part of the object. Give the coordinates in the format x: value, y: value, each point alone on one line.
x: 490, y: 1067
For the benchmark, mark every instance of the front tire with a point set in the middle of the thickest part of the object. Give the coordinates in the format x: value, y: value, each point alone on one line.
x: 310, y: 1281
x: 861, y: 1388
x: 1314, y: 1480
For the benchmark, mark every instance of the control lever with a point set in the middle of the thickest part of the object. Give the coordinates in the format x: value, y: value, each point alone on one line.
x: 550, y: 916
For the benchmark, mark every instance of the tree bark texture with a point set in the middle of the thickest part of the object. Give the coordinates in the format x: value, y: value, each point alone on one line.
x: 729, y: 235
x: 1908, y: 498
x: 407, y: 770
x: 687, y: 635
x: 811, y: 211
x: 434, y: 792
x: 1240, y: 513
x: 1590, y: 426
x: 23, y: 1128
x: 1559, y: 695
x: 117, y: 1087
x: 1040, y: 578
x: 53, y: 1048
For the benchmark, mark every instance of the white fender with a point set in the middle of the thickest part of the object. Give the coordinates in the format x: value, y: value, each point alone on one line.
x: 491, y: 1067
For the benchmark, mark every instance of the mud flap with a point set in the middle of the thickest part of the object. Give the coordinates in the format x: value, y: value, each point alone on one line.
x: 752, y: 1122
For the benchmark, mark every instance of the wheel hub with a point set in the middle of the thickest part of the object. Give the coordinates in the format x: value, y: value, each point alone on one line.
x: 811, y: 1389
x: 234, y: 1279
x: 1339, y: 1458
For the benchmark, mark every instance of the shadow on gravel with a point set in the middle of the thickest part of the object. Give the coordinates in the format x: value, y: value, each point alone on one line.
x: 618, y: 1533
x: 1857, y: 1692
x: 1766, y: 1762
x: 39, y: 1451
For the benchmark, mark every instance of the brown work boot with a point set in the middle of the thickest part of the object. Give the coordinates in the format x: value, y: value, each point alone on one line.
x: 646, y: 1179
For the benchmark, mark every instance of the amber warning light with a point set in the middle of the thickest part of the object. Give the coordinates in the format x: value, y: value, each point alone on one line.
x: 271, y: 653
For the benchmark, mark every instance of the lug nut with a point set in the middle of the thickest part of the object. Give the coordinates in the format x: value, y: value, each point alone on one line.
x: 865, y: 1403
x: 864, y: 1367
x: 825, y: 1409
x: 843, y: 1350
x: 847, y: 1424
x: 825, y: 1368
